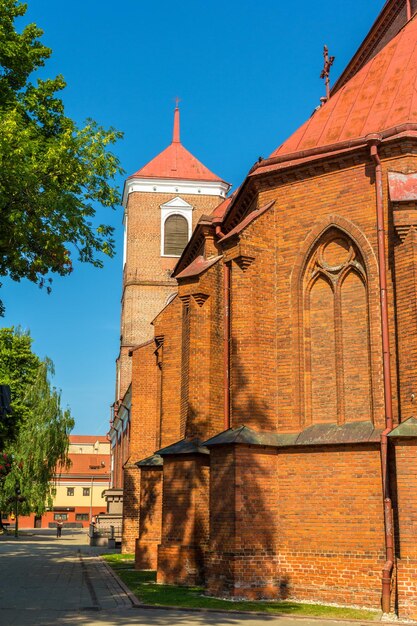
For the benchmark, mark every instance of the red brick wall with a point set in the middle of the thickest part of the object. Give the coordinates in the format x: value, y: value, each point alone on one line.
x: 331, y: 535
x: 185, y: 523
x: 145, y: 411
x: 295, y: 524
x: 242, y: 556
x: 406, y: 301
x: 143, y: 437
x: 203, y: 374
x: 147, y: 282
x: 150, y: 518
x: 168, y: 325
x: 131, y: 494
x: 406, y: 485
x: 268, y: 368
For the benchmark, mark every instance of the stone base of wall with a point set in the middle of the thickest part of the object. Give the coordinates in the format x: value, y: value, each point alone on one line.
x: 180, y: 565
x: 146, y: 554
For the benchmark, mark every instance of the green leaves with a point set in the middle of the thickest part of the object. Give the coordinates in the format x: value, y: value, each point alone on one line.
x: 52, y: 173
x: 37, y: 438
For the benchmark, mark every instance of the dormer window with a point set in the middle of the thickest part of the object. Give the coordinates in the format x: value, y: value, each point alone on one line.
x: 176, y: 226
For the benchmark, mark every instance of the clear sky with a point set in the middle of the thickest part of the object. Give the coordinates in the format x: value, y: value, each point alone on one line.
x: 247, y: 74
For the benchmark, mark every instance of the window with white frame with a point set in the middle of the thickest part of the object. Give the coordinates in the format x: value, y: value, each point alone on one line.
x: 175, y: 235
x: 176, y: 226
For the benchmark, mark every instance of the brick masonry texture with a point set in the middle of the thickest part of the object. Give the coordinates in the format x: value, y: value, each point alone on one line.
x: 146, y: 549
x: 184, y: 520
x: 147, y: 282
x: 143, y: 437
x: 273, y: 520
x: 406, y: 523
x: 305, y: 348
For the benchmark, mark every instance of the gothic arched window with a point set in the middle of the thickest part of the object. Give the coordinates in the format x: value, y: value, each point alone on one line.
x: 336, y: 332
x: 175, y: 235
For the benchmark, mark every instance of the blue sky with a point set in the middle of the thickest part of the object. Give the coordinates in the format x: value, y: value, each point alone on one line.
x: 247, y: 74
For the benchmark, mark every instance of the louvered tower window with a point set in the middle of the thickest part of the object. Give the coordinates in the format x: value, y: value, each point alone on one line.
x: 175, y: 235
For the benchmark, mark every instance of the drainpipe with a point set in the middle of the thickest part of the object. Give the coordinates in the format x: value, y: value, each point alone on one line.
x: 226, y: 338
x: 374, y: 141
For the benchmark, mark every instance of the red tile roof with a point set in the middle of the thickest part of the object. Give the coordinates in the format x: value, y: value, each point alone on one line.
x: 379, y: 97
x: 176, y: 162
x: 82, y: 464
x: 198, y: 266
x: 88, y: 439
x: 389, y: 22
x: 221, y: 209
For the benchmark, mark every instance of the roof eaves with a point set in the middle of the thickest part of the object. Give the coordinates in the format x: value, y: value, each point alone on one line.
x: 196, y: 240
x: 198, y: 266
x: 185, y: 446
x: 247, y: 221
x: 141, y: 345
x: 151, y: 461
x: 316, y: 435
x: 406, y: 429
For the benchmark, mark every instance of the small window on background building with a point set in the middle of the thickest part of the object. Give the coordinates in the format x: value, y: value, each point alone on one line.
x: 70, y: 491
x: 81, y: 517
x: 175, y: 235
x: 60, y: 516
x: 86, y: 491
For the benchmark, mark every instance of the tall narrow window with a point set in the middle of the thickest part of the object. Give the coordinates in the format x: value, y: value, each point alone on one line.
x: 323, y: 352
x: 336, y: 333
x: 175, y: 235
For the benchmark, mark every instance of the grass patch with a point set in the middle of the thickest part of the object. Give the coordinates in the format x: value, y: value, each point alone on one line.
x: 116, y: 558
x: 143, y: 585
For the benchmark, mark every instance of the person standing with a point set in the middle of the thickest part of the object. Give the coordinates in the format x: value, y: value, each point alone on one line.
x: 59, y: 526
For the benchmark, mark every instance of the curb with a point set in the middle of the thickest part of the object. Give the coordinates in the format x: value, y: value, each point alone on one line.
x: 133, y: 599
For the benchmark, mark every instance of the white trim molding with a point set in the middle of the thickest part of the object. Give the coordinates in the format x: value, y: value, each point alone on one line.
x: 168, y: 185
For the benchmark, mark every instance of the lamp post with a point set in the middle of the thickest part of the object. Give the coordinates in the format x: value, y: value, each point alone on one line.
x: 91, y: 499
x: 18, y: 498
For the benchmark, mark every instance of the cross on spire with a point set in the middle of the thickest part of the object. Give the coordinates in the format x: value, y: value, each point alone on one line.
x: 328, y: 62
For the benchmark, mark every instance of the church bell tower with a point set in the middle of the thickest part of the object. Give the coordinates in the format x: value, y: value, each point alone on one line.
x: 162, y: 203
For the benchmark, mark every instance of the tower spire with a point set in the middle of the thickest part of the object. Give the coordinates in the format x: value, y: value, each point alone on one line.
x: 176, y: 133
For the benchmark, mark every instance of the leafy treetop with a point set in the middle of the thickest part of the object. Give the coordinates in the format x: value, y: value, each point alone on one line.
x: 52, y: 173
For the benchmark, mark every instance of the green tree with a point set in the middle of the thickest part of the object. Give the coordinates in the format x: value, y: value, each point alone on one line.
x: 18, y: 369
x: 39, y: 441
x: 52, y: 173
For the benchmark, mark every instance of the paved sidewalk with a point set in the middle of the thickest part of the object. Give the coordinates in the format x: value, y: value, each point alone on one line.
x: 46, y: 581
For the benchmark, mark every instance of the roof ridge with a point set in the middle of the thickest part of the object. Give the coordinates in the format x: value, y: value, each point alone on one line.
x: 385, y: 19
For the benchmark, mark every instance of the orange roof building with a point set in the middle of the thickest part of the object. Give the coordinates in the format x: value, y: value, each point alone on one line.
x: 78, y: 489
